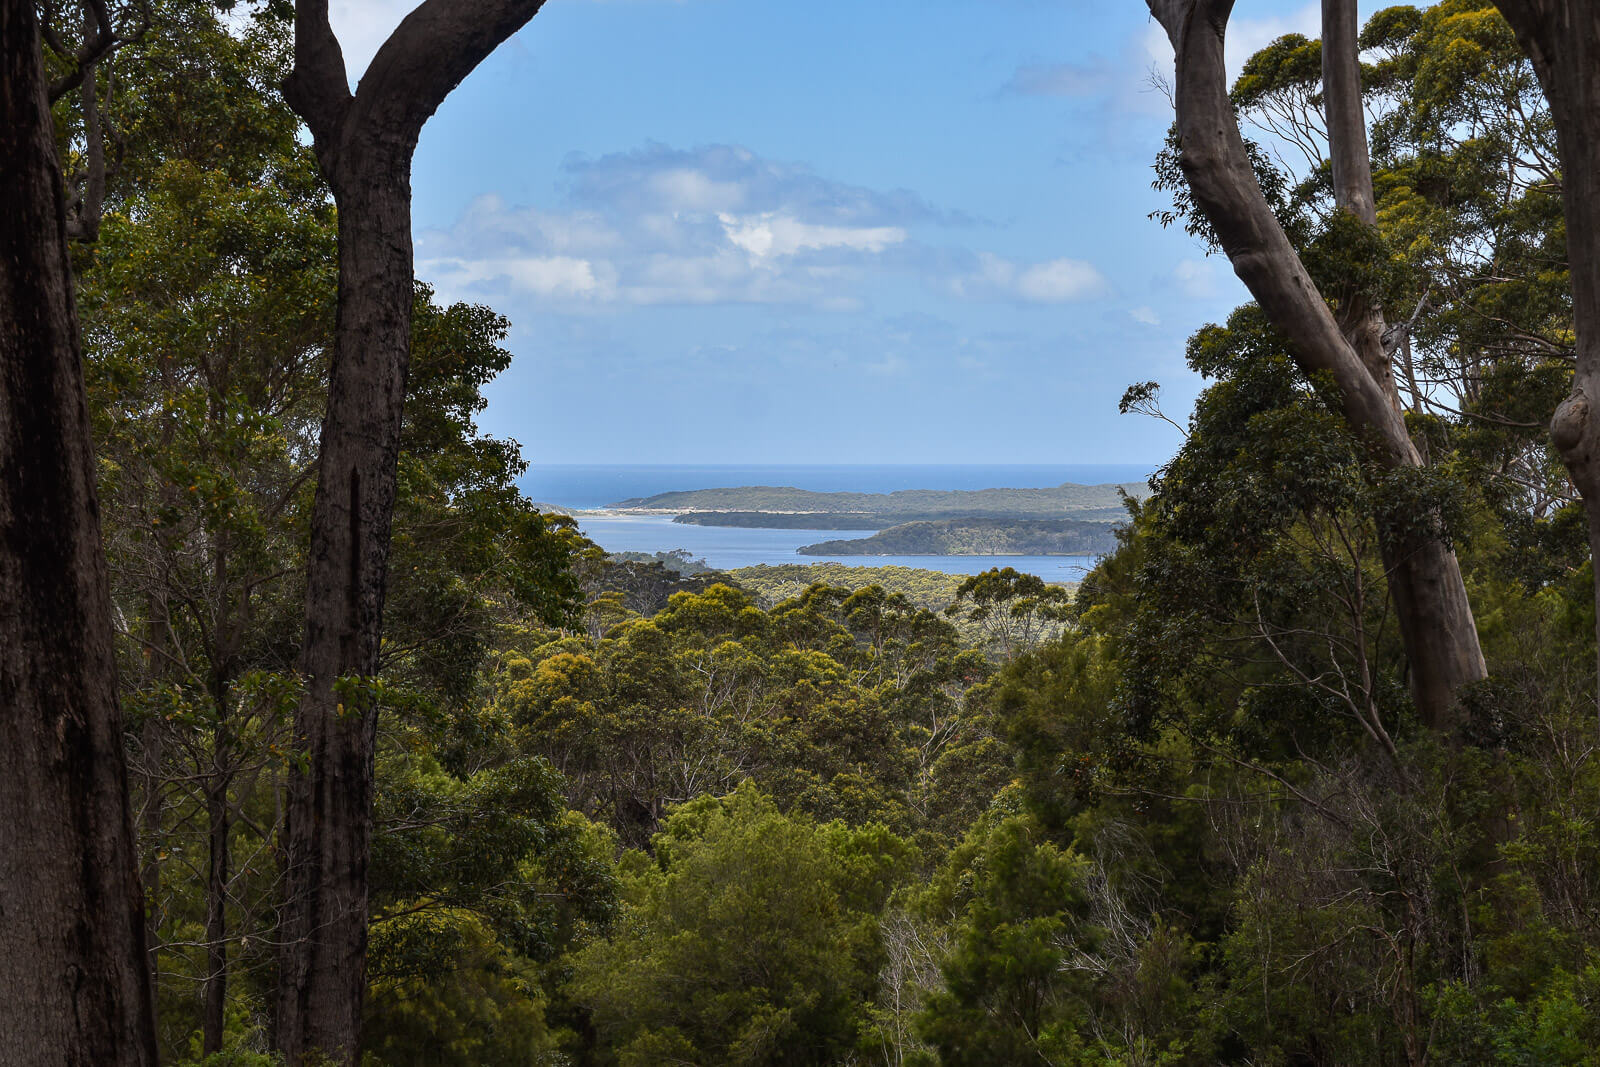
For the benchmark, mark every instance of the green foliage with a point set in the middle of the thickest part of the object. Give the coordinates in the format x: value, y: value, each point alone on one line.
x: 841, y: 704
x: 773, y: 584
x: 487, y: 1009
x: 1013, y: 611
x: 751, y: 938
x: 633, y: 811
x: 1018, y: 905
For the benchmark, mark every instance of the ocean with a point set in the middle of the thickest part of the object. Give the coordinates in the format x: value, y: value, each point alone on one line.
x: 728, y: 547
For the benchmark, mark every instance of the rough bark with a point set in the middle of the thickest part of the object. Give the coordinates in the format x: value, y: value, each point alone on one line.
x: 364, y: 144
x: 1562, y: 38
x: 73, y: 980
x: 1436, y: 625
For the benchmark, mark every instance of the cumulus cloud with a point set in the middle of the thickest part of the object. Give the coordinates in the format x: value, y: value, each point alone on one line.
x: 1059, y: 281
x: 771, y: 235
x: 1056, y: 281
x: 716, y: 179
x: 719, y: 224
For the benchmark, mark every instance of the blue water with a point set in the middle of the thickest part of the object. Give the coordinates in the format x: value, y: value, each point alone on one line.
x: 597, y: 486
x: 731, y: 547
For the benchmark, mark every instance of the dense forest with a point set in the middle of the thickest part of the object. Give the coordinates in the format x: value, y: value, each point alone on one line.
x: 1304, y: 772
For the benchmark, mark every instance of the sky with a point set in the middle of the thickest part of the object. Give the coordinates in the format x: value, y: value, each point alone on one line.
x: 875, y: 231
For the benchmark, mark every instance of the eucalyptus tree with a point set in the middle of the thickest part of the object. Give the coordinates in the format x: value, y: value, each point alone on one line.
x: 364, y: 142
x: 72, y: 976
x: 1562, y: 38
x: 1345, y: 342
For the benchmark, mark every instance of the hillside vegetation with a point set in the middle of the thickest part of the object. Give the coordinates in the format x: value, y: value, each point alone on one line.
x: 932, y: 590
x: 977, y: 537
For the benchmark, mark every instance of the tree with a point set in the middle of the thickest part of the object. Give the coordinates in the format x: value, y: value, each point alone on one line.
x: 750, y: 938
x: 1562, y: 37
x: 1013, y: 611
x: 1425, y: 581
x: 364, y: 143
x: 73, y: 976
x: 1016, y: 906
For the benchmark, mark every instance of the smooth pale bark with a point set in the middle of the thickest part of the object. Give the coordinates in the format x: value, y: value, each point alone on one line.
x: 74, y: 986
x: 1436, y: 625
x: 1562, y: 37
x: 364, y: 144
x: 1424, y: 575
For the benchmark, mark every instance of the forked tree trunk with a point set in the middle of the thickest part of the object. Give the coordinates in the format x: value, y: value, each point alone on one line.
x: 364, y: 143
x: 74, y: 988
x: 323, y: 978
x: 1562, y: 38
x: 1436, y: 625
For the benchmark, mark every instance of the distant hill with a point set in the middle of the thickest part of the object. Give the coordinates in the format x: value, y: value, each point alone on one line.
x: 784, y: 506
x: 978, y: 537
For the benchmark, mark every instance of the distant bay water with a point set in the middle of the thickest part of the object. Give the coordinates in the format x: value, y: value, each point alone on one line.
x: 730, y: 547
x: 587, y: 488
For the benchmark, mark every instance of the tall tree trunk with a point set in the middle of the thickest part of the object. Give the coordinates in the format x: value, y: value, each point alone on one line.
x: 1562, y: 37
x: 1423, y: 573
x: 73, y: 980
x: 364, y: 144
x: 1436, y: 625
x: 330, y: 799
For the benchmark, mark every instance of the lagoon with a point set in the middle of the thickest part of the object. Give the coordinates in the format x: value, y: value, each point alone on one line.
x: 732, y: 547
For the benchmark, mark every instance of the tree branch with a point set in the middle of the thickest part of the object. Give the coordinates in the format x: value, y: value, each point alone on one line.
x: 428, y: 55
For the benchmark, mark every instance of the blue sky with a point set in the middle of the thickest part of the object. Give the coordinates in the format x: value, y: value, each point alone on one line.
x: 746, y: 231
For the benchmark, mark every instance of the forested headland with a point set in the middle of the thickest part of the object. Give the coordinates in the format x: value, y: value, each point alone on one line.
x: 323, y: 744
x: 787, y: 508
x: 977, y: 537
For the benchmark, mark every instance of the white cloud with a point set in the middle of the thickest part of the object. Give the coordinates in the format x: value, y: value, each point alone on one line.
x: 731, y: 179
x: 770, y: 234
x: 542, y: 276
x: 686, y: 189
x: 1056, y: 281
x: 1145, y: 316
x: 1060, y: 281
x: 718, y: 225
